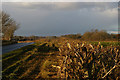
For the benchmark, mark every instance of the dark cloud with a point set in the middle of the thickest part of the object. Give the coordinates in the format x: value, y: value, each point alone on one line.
x: 62, y: 18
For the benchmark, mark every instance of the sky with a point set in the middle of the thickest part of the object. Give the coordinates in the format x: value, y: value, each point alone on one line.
x: 60, y: 18
x: 60, y: 0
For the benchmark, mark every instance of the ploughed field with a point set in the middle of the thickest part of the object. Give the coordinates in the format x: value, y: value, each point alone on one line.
x: 63, y: 58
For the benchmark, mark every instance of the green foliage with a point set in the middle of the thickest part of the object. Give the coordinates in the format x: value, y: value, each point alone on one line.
x: 106, y: 43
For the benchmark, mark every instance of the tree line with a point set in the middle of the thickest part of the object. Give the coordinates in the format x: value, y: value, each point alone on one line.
x: 94, y: 35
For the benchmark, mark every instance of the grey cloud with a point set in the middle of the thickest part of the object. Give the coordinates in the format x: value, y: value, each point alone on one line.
x: 62, y: 18
x: 64, y: 5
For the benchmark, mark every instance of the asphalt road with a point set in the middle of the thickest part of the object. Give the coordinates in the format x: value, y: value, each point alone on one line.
x: 12, y: 47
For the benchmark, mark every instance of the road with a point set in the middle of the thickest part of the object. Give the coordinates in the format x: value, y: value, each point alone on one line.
x: 12, y: 47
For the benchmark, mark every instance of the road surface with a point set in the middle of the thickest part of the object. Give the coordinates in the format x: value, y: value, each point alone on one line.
x: 12, y: 47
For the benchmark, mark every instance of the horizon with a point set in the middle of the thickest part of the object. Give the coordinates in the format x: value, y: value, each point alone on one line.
x: 114, y: 33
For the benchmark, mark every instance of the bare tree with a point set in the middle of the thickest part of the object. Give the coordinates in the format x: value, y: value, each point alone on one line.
x: 9, y: 26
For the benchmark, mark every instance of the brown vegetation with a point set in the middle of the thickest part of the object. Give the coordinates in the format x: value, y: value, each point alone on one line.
x: 63, y: 58
x: 94, y: 35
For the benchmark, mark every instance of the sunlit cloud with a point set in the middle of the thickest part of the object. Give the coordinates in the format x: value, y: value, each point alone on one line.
x: 114, y: 32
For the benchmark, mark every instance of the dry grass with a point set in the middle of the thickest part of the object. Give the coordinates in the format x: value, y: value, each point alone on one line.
x: 64, y: 58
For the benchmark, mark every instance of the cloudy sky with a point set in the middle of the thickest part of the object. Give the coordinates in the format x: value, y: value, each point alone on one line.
x: 58, y: 18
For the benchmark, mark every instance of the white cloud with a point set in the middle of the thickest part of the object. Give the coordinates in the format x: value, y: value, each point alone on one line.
x: 25, y: 4
x: 114, y: 32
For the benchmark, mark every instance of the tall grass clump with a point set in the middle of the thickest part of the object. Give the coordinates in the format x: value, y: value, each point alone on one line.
x: 86, y: 61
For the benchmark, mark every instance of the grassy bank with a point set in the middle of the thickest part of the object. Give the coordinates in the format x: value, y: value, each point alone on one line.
x: 29, y: 62
x: 4, y: 42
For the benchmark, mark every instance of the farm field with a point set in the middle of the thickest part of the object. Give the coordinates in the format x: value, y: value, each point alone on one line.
x: 63, y: 58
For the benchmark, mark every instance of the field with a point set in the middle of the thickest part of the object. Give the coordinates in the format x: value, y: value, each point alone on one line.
x: 63, y: 58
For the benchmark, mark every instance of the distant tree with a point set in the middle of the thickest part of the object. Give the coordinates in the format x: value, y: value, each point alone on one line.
x: 87, y: 35
x: 9, y: 26
x: 73, y: 36
x: 96, y: 35
x: 115, y: 37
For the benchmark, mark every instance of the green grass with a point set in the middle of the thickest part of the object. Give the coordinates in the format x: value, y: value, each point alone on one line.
x: 105, y: 43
